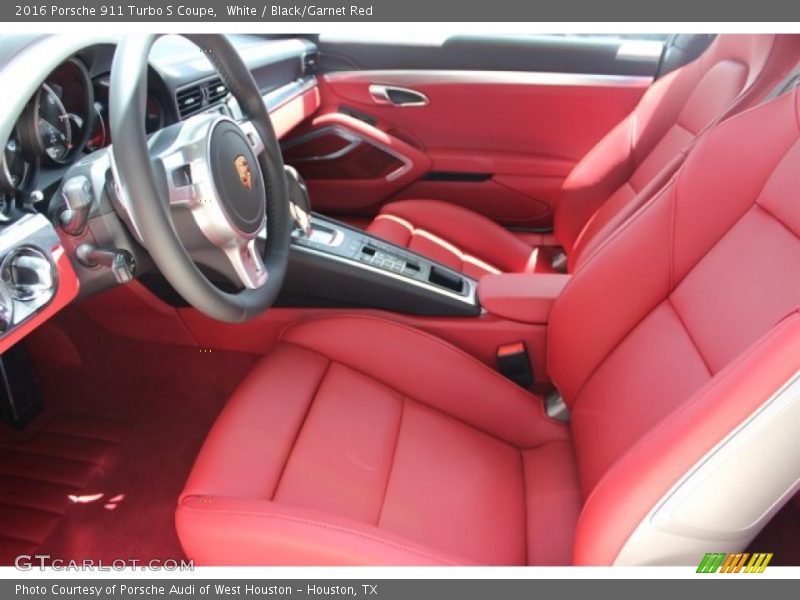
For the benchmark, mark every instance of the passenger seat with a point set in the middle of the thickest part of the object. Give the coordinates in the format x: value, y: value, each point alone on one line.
x: 618, y: 176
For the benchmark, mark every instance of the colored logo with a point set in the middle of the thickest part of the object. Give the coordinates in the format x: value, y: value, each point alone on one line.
x: 243, y: 169
x: 743, y: 562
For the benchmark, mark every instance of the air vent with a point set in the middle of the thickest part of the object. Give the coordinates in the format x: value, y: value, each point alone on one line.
x: 310, y: 63
x: 190, y: 100
x: 216, y: 91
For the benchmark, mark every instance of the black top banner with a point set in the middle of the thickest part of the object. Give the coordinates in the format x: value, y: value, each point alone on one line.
x: 261, y: 11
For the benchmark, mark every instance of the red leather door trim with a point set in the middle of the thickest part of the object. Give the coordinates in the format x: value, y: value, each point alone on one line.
x: 354, y: 196
x: 526, y: 129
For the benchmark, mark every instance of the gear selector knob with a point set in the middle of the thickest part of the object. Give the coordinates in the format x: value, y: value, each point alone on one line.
x: 299, y: 200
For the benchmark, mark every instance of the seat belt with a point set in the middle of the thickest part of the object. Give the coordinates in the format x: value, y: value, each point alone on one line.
x: 787, y: 84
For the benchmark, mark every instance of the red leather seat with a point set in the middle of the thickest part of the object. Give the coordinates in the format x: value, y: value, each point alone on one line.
x: 378, y: 450
x: 616, y: 177
x: 360, y: 441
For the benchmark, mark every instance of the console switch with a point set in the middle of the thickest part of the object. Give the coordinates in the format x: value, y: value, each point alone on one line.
x: 382, y: 259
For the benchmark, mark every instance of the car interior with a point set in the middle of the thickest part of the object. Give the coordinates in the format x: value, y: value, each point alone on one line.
x: 502, y: 300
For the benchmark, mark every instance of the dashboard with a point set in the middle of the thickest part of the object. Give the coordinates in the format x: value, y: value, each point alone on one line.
x: 61, y: 121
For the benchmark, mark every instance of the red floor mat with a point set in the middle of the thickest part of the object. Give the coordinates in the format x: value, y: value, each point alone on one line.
x: 97, y: 474
x: 43, y: 473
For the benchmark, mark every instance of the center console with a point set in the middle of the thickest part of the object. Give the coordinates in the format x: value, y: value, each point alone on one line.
x: 338, y: 265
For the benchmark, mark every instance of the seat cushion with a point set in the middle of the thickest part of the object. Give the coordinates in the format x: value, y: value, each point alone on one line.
x: 361, y: 441
x: 457, y: 237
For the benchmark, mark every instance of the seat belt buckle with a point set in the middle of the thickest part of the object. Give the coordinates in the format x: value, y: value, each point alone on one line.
x: 514, y: 363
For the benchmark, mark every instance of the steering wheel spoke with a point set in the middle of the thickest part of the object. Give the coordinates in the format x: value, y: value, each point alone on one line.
x: 248, y: 265
x: 252, y: 136
x: 202, y: 182
x: 184, y: 158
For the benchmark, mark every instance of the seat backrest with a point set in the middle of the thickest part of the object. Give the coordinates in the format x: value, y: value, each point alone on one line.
x: 671, y: 345
x: 604, y: 188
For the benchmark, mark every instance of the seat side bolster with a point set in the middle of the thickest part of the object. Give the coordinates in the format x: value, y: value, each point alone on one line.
x: 642, y: 478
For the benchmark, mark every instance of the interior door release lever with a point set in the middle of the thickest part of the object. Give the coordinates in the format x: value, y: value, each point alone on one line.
x: 396, y: 96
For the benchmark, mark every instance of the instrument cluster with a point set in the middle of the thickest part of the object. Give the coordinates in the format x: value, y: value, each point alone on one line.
x: 66, y: 118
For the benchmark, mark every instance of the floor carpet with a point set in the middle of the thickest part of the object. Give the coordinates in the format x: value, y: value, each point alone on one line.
x: 98, y: 472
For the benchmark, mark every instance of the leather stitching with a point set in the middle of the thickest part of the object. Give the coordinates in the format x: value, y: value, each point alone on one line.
x: 694, y: 343
x: 319, y: 525
x: 775, y: 218
x: 673, y: 284
x: 430, y: 407
x: 394, y: 457
x: 438, y: 341
x: 300, y: 428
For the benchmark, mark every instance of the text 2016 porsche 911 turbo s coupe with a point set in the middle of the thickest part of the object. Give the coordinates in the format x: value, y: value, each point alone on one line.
x: 319, y: 300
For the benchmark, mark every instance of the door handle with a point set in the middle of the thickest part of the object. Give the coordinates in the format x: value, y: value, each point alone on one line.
x: 397, y: 96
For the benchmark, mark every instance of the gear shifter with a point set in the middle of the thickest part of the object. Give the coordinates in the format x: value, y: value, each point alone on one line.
x: 299, y: 201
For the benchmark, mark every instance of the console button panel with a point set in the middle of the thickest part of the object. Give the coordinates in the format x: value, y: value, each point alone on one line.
x: 343, y: 242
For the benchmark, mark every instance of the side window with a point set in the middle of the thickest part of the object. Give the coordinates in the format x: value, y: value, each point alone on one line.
x: 438, y: 39
x: 608, y: 54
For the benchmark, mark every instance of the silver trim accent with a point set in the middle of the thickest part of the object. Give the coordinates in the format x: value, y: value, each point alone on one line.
x: 555, y: 407
x: 6, y: 311
x: 757, y: 464
x: 38, y: 264
x: 99, y: 162
x: 191, y: 150
x: 252, y: 135
x: 33, y: 232
x: 337, y: 235
x: 381, y: 94
x: 411, y: 78
x: 355, y: 140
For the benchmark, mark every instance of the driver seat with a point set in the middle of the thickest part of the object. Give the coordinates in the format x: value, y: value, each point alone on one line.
x: 676, y: 347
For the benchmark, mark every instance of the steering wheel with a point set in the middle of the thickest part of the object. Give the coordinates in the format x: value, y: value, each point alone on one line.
x: 206, y: 188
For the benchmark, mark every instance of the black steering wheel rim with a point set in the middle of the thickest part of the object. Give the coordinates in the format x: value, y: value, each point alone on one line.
x: 148, y: 203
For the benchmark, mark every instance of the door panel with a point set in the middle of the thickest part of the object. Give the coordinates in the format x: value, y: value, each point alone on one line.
x: 498, y: 142
x: 351, y: 166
